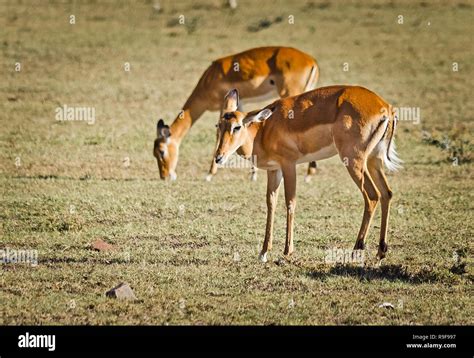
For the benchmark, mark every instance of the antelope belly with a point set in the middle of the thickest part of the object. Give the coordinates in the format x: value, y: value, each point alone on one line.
x: 323, y: 153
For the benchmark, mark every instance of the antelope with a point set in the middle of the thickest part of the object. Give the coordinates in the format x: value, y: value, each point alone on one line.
x: 350, y: 121
x: 259, y: 74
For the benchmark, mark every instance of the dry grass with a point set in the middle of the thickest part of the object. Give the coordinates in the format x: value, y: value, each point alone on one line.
x: 176, y: 242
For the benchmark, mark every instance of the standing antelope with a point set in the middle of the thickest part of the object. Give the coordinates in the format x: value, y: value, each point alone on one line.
x: 259, y: 73
x: 347, y: 120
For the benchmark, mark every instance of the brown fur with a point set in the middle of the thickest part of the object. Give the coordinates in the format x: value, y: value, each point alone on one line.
x: 346, y: 120
x: 261, y: 71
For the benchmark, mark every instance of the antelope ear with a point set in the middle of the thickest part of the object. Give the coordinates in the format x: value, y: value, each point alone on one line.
x: 231, y: 101
x: 162, y: 130
x: 258, y: 117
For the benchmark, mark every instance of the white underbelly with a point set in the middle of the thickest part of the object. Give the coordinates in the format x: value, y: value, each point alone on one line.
x: 323, y: 153
x: 268, y: 165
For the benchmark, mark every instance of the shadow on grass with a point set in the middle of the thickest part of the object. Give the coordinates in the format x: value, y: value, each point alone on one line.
x: 387, y: 273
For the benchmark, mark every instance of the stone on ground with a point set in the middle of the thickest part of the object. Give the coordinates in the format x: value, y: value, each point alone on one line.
x: 122, y: 292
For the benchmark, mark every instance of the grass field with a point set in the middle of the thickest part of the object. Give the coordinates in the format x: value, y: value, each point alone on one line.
x: 189, y: 248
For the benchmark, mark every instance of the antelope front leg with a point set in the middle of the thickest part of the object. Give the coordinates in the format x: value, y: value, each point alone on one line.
x: 273, y: 186
x: 213, y: 168
x: 289, y: 176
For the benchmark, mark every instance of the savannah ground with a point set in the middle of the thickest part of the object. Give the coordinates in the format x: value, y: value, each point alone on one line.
x: 189, y: 248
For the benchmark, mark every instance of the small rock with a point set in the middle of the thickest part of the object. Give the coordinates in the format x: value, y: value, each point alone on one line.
x: 291, y: 303
x: 236, y: 257
x: 101, y: 245
x: 386, y: 305
x: 123, y: 292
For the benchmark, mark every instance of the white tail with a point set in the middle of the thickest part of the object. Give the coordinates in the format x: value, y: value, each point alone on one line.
x: 312, y: 79
x: 392, y: 161
x: 383, y: 146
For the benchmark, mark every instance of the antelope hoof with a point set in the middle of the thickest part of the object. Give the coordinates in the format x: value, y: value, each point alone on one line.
x: 359, y: 245
x: 253, y: 177
x: 263, y: 257
x: 209, y: 177
x: 380, y: 256
x: 383, y: 247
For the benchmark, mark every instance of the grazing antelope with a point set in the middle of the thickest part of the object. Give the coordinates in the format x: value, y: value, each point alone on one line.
x: 259, y: 74
x: 347, y: 120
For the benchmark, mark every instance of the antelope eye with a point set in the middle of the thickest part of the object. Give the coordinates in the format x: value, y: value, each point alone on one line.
x: 236, y: 129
